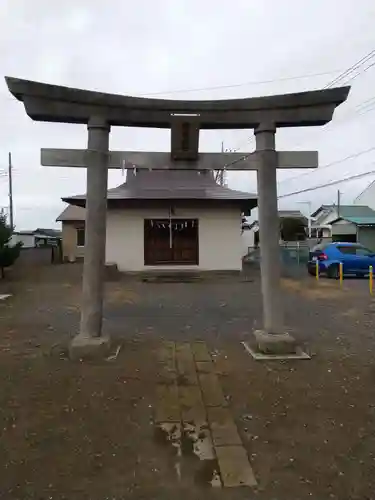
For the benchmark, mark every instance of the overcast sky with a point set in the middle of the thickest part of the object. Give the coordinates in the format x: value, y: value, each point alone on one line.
x: 170, y: 48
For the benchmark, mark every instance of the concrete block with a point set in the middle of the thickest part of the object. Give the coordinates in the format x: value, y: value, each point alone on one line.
x: 89, y: 347
x: 275, y: 343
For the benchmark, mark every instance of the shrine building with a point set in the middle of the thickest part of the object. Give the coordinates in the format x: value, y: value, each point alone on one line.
x: 165, y: 219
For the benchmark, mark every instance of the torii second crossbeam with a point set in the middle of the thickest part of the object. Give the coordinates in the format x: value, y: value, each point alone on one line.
x: 162, y: 161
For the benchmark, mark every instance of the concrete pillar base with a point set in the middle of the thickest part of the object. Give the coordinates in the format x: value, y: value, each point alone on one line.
x: 275, y: 343
x: 82, y: 347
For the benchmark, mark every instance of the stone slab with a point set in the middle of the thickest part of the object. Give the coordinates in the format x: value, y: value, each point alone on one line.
x: 166, y: 368
x: 166, y: 352
x: 211, y: 389
x: 223, y: 428
x: 186, y: 372
x: 191, y: 403
x: 259, y: 356
x: 235, y: 468
x: 200, y: 351
x: 165, y: 374
x: 167, y: 407
x: 82, y: 347
x: 205, y: 367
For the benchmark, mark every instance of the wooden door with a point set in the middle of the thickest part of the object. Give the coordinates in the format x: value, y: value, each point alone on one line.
x: 177, y: 245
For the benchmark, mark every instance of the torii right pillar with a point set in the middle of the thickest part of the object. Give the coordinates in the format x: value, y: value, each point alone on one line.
x: 273, y: 339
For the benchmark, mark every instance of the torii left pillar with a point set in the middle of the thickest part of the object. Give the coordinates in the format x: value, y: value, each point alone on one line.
x: 90, y: 341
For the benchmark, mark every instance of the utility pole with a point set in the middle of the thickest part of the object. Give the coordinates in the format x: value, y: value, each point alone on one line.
x: 11, y: 220
x: 338, y: 202
x: 309, y: 220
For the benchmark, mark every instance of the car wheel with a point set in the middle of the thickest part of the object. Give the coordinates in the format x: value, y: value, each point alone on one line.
x: 333, y: 272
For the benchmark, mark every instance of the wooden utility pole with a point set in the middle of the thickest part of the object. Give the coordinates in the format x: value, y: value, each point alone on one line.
x: 338, y: 202
x: 11, y: 220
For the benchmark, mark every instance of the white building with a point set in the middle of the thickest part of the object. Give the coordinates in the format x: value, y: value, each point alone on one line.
x: 32, y: 239
x: 159, y: 220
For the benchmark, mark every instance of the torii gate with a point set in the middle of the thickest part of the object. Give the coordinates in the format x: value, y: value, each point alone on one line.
x: 100, y: 111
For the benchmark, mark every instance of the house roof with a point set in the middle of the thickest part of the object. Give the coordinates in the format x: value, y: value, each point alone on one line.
x: 348, y: 210
x: 358, y: 221
x: 72, y: 213
x: 172, y: 185
x: 360, y: 215
x: 321, y: 208
x: 51, y: 233
x: 295, y: 214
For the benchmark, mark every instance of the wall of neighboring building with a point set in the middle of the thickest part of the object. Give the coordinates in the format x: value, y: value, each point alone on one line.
x: 220, y: 244
x: 343, y: 227
x: 248, y: 240
x: 71, y: 251
x: 27, y: 240
x: 366, y: 237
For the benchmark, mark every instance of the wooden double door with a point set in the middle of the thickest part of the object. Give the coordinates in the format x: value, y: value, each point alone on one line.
x: 171, y: 242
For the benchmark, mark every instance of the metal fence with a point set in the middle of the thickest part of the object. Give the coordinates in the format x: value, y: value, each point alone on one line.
x: 293, y: 255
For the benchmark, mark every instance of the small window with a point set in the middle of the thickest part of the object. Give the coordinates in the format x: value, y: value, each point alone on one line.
x: 364, y: 252
x: 80, y: 237
x: 355, y: 250
x: 348, y: 250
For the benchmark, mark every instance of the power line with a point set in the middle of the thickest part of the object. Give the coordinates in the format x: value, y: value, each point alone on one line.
x: 336, y: 162
x: 244, y: 84
x: 364, y: 107
x: 328, y: 184
x: 352, y: 68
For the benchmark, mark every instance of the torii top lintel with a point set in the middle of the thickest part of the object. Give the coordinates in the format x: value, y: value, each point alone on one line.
x: 55, y: 103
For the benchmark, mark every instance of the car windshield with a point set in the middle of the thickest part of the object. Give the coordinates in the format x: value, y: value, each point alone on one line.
x: 355, y: 250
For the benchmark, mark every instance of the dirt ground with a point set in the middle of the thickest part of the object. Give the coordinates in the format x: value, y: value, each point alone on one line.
x: 86, y: 430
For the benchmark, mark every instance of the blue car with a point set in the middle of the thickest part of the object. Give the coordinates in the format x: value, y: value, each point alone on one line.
x: 355, y: 258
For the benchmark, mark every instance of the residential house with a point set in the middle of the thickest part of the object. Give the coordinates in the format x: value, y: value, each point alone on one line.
x: 73, y: 232
x: 350, y: 223
x: 358, y: 228
x: 250, y: 231
x: 159, y: 220
x: 36, y: 238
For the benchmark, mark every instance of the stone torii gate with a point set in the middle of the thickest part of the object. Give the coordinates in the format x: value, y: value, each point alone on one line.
x: 100, y: 111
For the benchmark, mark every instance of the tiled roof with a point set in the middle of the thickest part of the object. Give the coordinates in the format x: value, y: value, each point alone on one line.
x: 361, y: 221
x: 171, y: 185
x: 295, y: 214
x: 346, y: 211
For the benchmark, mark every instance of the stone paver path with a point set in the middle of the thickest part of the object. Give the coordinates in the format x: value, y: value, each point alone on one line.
x: 191, y: 413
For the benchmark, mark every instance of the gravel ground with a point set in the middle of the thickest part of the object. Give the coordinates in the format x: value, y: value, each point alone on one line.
x: 84, y: 430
